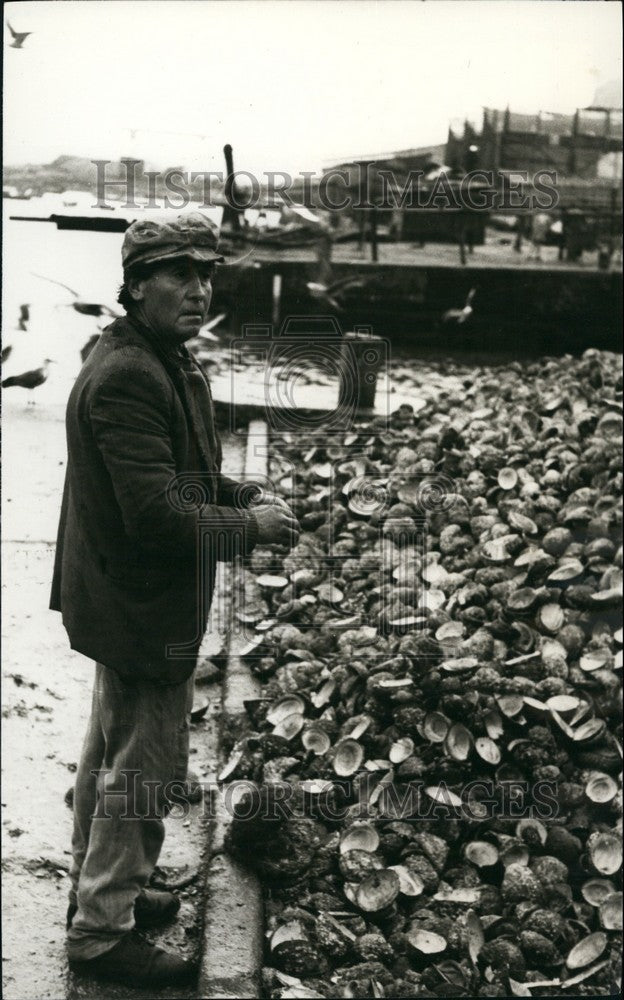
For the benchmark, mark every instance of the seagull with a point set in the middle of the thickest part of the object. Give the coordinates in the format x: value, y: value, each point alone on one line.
x: 85, y: 308
x: 331, y: 294
x: 460, y: 316
x: 30, y: 380
x: 19, y: 37
x: 206, y: 331
x: 24, y: 316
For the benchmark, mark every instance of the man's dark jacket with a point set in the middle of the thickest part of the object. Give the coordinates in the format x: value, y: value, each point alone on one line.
x: 143, y: 485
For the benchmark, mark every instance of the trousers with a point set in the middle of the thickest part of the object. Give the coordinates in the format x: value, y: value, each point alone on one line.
x: 134, y: 756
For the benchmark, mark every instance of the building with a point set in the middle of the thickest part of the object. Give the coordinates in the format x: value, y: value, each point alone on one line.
x: 390, y: 180
x: 574, y: 145
x: 583, y: 149
x: 423, y: 158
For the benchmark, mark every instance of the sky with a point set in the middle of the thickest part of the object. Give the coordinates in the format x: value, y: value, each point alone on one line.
x: 291, y: 85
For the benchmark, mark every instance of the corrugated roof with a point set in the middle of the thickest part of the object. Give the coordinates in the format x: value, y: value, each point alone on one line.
x: 435, y: 151
x: 591, y: 121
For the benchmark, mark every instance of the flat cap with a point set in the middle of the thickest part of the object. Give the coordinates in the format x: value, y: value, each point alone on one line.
x: 148, y: 241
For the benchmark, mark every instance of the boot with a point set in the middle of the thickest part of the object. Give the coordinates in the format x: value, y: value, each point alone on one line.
x: 136, y: 962
x: 151, y: 909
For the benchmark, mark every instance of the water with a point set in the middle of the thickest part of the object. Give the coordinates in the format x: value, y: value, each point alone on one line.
x: 88, y: 262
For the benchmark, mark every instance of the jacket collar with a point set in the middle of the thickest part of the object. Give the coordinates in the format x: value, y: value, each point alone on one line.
x: 135, y: 329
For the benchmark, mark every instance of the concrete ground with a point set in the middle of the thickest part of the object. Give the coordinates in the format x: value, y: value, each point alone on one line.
x: 46, y: 691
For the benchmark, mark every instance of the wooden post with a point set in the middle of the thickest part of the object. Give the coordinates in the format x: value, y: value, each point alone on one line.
x: 497, y: 143
x: 373, y: 233
x: 520, y: 223
x: 324, y: 250
x: 362, y: 201
x: 612, y: 221
x: 276, y: 300
x: 362, y: 228
x: 231, y: 214
x: 363, y: 356
x: 573, y: 142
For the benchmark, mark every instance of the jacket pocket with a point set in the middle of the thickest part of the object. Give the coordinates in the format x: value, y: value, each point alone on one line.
x: 135, y: 581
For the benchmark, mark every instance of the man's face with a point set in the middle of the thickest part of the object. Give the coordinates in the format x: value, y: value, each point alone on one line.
x: 175, y: 298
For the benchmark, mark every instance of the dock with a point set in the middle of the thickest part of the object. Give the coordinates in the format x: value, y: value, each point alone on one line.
x: 530, y: 306
x: 523, y: 304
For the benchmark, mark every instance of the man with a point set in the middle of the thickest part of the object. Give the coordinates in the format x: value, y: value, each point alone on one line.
x: 540, y: 224
x: 146, y: 514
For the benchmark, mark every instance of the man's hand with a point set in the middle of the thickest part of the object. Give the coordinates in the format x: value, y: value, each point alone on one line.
x: 276, y: 525
x: 265, y: 498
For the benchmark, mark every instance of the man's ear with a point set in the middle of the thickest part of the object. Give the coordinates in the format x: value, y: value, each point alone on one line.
x: 136, y: 287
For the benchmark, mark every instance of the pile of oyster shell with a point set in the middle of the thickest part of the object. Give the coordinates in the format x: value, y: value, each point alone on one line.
x: 432, y: 776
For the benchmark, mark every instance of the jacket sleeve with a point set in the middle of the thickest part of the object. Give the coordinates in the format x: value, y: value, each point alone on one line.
x: 130, y: 415
x: 234, y: 494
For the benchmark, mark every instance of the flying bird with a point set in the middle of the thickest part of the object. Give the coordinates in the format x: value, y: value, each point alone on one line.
x: 80, y: 305
x: 31, y: 379
x: 331, y: 294
x: 24, y: 316
x: 19, y: 37
x: 206, y: 331
x: 461, y: 316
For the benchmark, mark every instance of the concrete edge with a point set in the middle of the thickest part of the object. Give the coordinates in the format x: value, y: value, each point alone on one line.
x: 232, y: 949
x: 245, y: 413
x: 232, y: 945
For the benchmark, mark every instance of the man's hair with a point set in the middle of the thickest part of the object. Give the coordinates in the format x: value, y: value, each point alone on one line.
x: 139, y: 272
